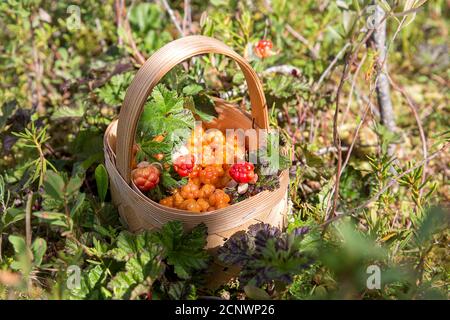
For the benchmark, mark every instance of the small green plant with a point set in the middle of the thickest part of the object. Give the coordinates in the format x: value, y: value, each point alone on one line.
x: 34, y: 139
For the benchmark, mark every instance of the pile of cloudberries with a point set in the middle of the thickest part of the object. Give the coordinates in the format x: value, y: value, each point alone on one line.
x: 207, y: 180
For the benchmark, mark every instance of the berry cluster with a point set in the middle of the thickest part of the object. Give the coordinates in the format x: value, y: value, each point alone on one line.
x: 212, y: 147
x: 202, y: 192
x: 208, y: 178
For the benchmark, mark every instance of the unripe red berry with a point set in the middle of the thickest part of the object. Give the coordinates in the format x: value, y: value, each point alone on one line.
x: 146, y: 178
x: 184, y: 165
x: 242, y: 172
x: 263, y: 48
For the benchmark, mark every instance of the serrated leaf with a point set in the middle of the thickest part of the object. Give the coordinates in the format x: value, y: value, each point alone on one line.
x: 170, y: 183
x: 164, y: 114
x: 121, y: 283
x: 312, y: 160
x: 184, y: 251
x: 91, y: 284
x: 192, y: 89
x: 67, y: 112
x: 435, y: 219
x: 143, y: 263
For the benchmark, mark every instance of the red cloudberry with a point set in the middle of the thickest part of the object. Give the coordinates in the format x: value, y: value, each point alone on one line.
x: 184, y: 165
x: 242, y: 172
x: 263, y: 48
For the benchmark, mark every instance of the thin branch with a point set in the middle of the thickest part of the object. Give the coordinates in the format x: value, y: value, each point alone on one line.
x: 336, y: 139
x: 187, y: 19
x: 299, y: 37
x: 386, y: 187
x: 355, y: 137
x: 173, y: 18
x: 28, y: 209
x: 283, y: 69
x: 137, y: 55
x: 38, y: 72
x: 352, y: 87
x: 118, y: 8
x: 423, y: 138
x: 325, y: 150
x: 330, y: 67
x: 387, y: 115
x: 361, y: 96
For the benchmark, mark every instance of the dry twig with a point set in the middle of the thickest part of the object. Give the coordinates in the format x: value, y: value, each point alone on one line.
x: 172, y: 17
x: 28, y: 209
x: 122, y: 18
x: 423, y: 138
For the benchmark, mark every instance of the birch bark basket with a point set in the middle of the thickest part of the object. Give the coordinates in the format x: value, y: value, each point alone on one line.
x: 138, y: 211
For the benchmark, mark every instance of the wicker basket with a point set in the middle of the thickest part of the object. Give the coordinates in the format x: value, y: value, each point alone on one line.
x: 140, y: 212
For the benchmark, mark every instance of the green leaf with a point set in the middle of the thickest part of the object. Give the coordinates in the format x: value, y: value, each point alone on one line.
x: 164, y: 114
x: 184, y: 251
x: 143, y: 263
x: 101, y: 178
x: 312, y: 160
x: 74, y: 184
x: 205, y: 107
x: 151, y: 147
x: 54, y: 218
x: 11, y: 216
x: 18, y: 244
x: 54, y: 185
x: 91, y: 284
x: 38, y: 249
x: 434, y: 220
x: 6, y: 111
x: 78, y: 204
x: 256, y: 293
x: 192, y: 89
x: 67, y: 112
x: 348, y: 20
x: 170, y: 183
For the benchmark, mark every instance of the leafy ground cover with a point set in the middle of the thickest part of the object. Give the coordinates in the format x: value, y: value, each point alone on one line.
x: 369, y: 187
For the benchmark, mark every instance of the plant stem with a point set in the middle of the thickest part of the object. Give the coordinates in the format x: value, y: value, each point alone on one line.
x: 28, y: 218
x: 382, y: 84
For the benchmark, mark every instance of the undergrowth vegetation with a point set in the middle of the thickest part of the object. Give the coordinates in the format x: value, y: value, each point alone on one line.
x: 364, y: 198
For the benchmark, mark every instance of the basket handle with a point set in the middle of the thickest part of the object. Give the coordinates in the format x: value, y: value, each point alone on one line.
x: 160, y: 63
